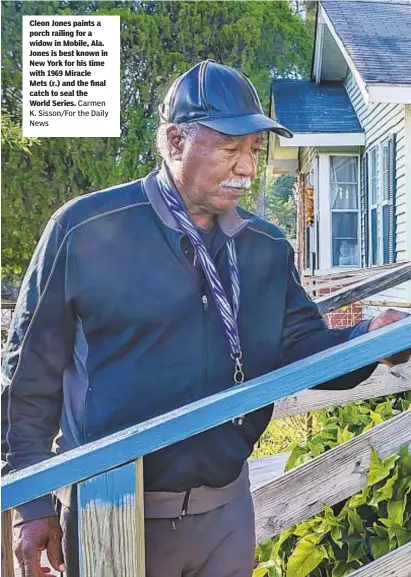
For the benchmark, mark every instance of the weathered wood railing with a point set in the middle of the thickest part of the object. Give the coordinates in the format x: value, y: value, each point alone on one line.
x: 109, y: 471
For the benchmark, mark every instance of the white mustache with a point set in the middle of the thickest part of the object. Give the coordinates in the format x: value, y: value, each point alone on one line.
x: 236, y: 183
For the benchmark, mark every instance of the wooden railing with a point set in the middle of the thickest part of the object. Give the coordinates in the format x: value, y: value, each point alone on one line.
x: 109, y: 472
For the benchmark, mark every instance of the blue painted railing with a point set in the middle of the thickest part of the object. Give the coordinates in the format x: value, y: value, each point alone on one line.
x: 127, y: 445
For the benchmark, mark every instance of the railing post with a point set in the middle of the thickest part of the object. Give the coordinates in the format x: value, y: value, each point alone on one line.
x: 7, y: 565
x: 111, y: 523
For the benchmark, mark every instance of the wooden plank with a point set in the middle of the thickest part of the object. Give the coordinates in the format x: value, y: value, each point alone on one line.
x: 394, y: 564
x: 329, y: 478
x: 266, y: 469
x: 164, y: 430
x: 388, y: 304
x: 331, y: 284
x: 111, y: 507
x: 7, y: 565
x: 383, y: 381
x: 141, y: 551
x: 365, y: 288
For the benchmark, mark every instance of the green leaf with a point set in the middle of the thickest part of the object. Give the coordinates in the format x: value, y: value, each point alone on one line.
x: 344, y: 435
x: 356, y: 551
x: 357, y: 501
x: 385, y: 492
x: 296, y: 457
x: 305, y: 527
x: 379, y: 469
x: 377, y: 419
x: 396, y: 532
x: 281, y: 539
x: 336, y: 535
x: 260, y: 572
x: 342, y: 568
x: 395, y: 510
x: 380, y: 531
x: 306, y: 556
x: 403, y: 487
x: 355, y: 523
x: 379, y: 547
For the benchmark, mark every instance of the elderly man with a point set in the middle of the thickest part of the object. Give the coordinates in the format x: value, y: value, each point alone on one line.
x: 145, y: 297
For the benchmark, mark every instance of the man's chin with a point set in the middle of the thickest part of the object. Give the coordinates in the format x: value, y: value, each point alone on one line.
x: 226, y: 205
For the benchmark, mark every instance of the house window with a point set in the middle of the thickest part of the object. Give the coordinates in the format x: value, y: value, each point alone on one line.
x: 373, y: 180
x: 344, y: 210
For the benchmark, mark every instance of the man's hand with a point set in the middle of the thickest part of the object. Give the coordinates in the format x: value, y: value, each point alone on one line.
x: 31, y: 538
x: 386, y: 318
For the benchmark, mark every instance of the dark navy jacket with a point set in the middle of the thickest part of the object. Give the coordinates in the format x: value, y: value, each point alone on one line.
x: 110, y: 329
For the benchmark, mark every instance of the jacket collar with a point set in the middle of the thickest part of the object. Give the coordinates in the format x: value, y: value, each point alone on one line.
x: 230, y: 222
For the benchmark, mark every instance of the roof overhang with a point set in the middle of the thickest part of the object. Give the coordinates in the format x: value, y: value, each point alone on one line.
x: 323, y: 139
x: 371, y: 92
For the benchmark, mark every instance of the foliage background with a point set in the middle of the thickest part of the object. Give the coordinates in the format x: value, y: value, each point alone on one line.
x: 159, y: 41
x: 357, y: 530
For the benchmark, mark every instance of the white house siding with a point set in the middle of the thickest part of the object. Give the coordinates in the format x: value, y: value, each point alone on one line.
x: 379, y: 120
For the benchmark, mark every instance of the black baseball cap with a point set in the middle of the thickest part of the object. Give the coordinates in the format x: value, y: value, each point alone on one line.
x: 219, y: 97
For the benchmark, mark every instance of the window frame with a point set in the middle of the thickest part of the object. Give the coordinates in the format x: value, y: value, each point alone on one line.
x: 343, y: 210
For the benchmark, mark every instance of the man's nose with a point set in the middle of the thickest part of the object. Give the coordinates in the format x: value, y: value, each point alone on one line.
x: 246, y: 165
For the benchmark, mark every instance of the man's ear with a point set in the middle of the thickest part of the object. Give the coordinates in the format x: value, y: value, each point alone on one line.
x: 175, y: 141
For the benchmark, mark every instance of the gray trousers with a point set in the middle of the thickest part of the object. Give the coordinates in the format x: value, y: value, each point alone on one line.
x: 219, y: 543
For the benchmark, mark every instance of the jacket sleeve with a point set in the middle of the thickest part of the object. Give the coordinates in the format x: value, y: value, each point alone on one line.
x: 39, y: 347
x: 305, y: 332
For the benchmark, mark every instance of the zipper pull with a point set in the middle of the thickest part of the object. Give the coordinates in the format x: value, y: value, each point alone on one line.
x: 205, y: 302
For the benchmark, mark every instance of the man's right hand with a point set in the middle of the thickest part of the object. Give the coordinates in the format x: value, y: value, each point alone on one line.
x: 33, y: 537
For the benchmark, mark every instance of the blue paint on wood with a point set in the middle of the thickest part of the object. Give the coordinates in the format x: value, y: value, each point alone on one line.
x: 139, y: 440
x: 101, y: 487
x: 115, y: 489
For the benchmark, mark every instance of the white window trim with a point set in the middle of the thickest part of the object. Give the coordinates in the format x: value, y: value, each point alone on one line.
x: 324, y: 208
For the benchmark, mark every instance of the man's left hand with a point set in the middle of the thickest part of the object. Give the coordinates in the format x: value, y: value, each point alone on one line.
x: 386, y: 318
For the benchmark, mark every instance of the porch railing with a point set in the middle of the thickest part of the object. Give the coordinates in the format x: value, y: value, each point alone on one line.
x: 109, y: 472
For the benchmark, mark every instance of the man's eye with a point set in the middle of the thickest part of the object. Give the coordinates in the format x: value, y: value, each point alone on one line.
x: 230, y: 149
x: 256, y: 150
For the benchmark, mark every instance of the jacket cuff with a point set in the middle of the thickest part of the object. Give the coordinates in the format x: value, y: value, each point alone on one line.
x: 359, y: 330
x: 37, y: 509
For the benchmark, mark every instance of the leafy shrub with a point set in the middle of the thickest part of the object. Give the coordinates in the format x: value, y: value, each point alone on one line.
x: 280, y: 435
x: 339, y: 424
x: 354, y: 532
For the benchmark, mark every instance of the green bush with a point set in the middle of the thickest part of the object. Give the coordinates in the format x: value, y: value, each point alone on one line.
x: 280, y: 435
x: 360, y: 529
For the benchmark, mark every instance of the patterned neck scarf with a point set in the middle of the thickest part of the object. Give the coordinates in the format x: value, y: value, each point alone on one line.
x: 227, y: 313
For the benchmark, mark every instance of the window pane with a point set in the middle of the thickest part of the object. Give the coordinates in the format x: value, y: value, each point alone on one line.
x: 344, y: 196
x: 344, y: 225
x: 345, y: 252
x: 374, y: 237
x: 385, y: 225
x: 345, y: 241
x: 343, y: 169
x: 344, y: 183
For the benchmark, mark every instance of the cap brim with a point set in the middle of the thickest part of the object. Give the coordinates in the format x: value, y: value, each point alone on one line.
x: 246, y: 124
